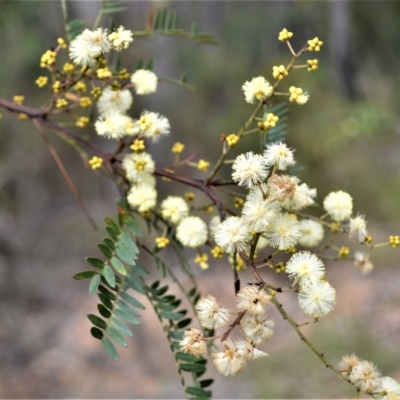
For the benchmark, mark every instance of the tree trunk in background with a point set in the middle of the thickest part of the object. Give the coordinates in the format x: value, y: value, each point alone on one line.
x: 342, y: 61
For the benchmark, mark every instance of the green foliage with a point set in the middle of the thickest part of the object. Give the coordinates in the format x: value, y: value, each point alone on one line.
x: 111, y: 279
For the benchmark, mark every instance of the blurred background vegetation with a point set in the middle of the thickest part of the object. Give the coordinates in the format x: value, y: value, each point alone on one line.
x: 348, y: 137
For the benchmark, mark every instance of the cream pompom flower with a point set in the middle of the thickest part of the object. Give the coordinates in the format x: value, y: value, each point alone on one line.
x: 143, y: 197
x: 312, y: 233
x: 193, y: 343
x: 339, y: 205
x: 305, y: 267
x: 153, y: 125
x: 249, y: 350
x: 192, y: 232
x: 249, y: 169
x: 120, y: 38
x: 252, y: 300
x: 389, y: 387
x: 258, y: 88
x: 230, y: 361
x: 283, y: 231
x: 347, y: 363
x: 317, y: 298
x: 358, y: 228
x: 144, y: 81
x: 365, y: 377
x: 232, y: 235
x: 211, y: 314
x: 258, y: 214
x: 363, y: 263
x: 114, y: 100
x: 114, y: 125
x: 138, y: 164
x: 257, y: 327
x: 280, y: 155
x: 174, y: 208
x: 88, y: 45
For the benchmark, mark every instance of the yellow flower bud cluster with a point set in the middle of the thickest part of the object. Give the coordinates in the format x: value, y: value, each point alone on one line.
x: 138, y: 146
x: 202, y: 260
x: 18, y: 100
x: 394, y: 241
x: 284, y: 35
x: 203, y: 165
x: 42, y: 81
x: 81, y: 87
x: 56, y: 87
x: 178, y: 147
x: 297, y: 95
x: 269, y: 122
x: 85, y: 102
x: 140, y: 165
x: 312, y: 65
x: 232, y: 140
x: 96, y: 92
x: 104, y: 73
x: 68, y: 68
x: 279, y: 72
x: 162, y: 242
x: 189, y: 196
x: 96, y: 162
x: 61, y: 103
x: 61, y: 43
x: 22, y: 116
x: 280, y: 267
x: 217, y: 252
x: 314, y: 44
x: 48, y: 58
x: 344, y: 252
x: 124, y: 74
x: 238, y: 202
x: 82, y: 122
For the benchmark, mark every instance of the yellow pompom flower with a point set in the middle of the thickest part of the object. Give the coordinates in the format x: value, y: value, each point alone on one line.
x: 284, y: 35
x: 42, y: 81
x: 96, y: 162
x: 232, y: 140
x: 279, y: 72
x: 203, y: 165
x: 314, y: 44
x: 68, y: 68
x: 162, y: 242
x: 178, y: 147
x: 85, y: 102
x: 82, y: 122
x: 18, y: 100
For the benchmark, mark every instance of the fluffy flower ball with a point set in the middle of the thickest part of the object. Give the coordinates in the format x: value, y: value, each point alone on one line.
x: 249, y: 169
x: 258, y: 88
x: 192, y: 232
x: 174, y: 208
x: 145, y: 81
x: 339, y: 205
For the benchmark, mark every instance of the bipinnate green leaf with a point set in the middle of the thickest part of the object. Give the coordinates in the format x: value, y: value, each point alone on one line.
x: 95, y: 262
x: 206, y: 382
x: 96, y: 333
x: 97, y: 321
x: 109, y: 275
x: 184, y: 323
x: 112, y: 234
x: 105, y: 250
x: 94, y: 284
x: 109, y: 243
x: 204, y: 394
x: 126, y: 255
x: 192, y: 367
x: 109, y: 348
x: 107, y: 293
x: 171, y: 315
x: 104, y: 312
x: 106, y: 301
x: 128, y: 308
x: 84, y: 275
x: 126, y: 316
x: 131, y: 300
x: 117, y: 337
x: 176, y: 334
x: 185, y: 357
x: 118, y: 266
x: 117, y: 324
x: 133, y: 226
